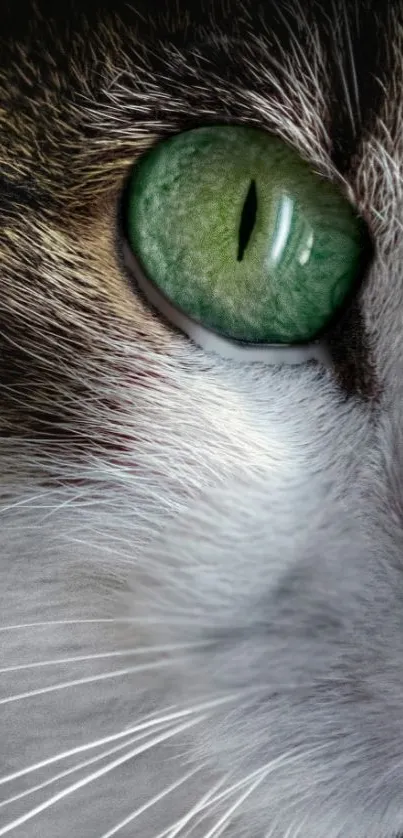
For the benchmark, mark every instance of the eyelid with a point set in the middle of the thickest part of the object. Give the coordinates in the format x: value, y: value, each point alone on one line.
x: 271, y: 354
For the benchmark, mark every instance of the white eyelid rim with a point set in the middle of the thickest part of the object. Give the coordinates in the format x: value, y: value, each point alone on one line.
x: 273, y: 354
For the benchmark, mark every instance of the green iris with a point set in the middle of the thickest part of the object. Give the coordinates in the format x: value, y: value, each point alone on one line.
x: 242, y: 236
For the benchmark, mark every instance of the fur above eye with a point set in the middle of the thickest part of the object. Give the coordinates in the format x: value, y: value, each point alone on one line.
x: 239, y: 234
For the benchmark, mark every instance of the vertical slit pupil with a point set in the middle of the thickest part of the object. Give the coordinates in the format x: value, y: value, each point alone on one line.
x: 248, y: 219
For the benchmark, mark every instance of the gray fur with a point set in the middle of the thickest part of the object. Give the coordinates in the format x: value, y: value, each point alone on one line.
x: 216, y: 544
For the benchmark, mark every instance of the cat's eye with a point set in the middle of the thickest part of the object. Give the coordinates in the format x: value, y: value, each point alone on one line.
x: 236, y: 233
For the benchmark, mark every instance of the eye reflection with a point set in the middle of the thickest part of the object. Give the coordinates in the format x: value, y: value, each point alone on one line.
x: 282, y: 229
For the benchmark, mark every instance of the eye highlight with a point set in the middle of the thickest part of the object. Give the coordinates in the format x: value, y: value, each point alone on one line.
x: 239, y: 234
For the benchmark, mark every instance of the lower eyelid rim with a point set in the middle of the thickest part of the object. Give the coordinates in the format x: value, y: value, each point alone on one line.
x: 271, y: 354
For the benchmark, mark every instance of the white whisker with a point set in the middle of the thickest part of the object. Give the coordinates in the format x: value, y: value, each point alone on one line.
x: 177, y: 827
x: 222, y: 823
x: 46, y: 623
x: 150, y: 803
x: 211, y: 805
x: 62, y: 774
x: 148, y: 722
x: 208, y: 805
x: 91, y: 679
x: 97, y: 774
x: 119, y: 620
x: 236, y: 786
x: 141, y: 650
x: 290, y: 757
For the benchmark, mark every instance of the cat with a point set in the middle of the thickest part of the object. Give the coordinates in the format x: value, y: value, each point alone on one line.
x: 201, y: 589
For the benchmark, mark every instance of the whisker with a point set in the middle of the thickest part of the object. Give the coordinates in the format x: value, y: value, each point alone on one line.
x: 200, y: 820
x: 290, y: 757
x: 269, y: 833
x: 97, y: 774
x: 150, y: 803
x: 141, y: 650
x: 147, y: 723
x: 118, y: 620
x: 177, y: 827
x: 222, y: 823
x: 214, y: 803
x: 198, y: 807
x: 236, y: 786
x: 208, y: 811
x: 207, y: 805
x: 91, y: 679
x: 78, y: 767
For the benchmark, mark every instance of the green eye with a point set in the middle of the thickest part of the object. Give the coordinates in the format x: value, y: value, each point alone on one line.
x: 240, y: 235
